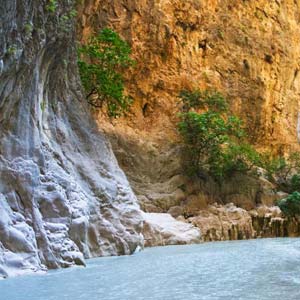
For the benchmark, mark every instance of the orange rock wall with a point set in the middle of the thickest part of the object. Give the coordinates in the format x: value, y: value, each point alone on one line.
x: 249, y: 50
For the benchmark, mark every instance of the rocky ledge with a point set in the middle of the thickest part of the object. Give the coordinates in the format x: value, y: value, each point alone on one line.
x: 220, y: 223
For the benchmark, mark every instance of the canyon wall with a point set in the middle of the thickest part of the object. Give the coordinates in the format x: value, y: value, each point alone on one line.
x: 248, y: 50
x: 63, y: 196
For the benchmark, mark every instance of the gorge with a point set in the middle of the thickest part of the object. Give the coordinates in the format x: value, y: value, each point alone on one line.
x: 76, y: 184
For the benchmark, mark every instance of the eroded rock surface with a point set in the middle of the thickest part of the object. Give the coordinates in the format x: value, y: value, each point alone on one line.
x: 248, y: 50
x: 221, y: 223
x: 228, y: 222
x: 63, y: 196
x: 162, y: 229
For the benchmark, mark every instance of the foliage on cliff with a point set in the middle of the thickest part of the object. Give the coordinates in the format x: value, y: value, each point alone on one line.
x: 290, y: 206
x: 101, y: 64
x: 283, y: 171
x: 214, y: 140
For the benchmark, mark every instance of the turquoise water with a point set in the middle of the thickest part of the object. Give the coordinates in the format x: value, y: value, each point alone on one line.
x: 255, y: 269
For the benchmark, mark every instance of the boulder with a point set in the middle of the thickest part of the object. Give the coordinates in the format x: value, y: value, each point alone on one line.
x: 162, y: 229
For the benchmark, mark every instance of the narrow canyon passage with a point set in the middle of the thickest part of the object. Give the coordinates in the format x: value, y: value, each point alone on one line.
x: 126, y: 125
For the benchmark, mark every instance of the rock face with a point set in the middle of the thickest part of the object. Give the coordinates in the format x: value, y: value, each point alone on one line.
x: 221, y: 223
x: 269, y: 222
x: 162, y: 229
x: 249, y: 50
x: 63, y: 196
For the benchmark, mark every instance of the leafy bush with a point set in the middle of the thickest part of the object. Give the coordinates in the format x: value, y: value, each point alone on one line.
x: 235, y: 157
x: 213, y: 139
x: 295, y: 183
x: 290, y: 206
x: 283, y: 171
x: 202, y: 99
x: 272, y: 165
x: 101, y: 63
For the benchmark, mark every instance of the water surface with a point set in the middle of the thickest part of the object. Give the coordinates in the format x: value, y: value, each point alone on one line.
x: 255, y: 269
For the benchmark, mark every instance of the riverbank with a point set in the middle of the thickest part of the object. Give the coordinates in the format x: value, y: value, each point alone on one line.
x: 219, y: 223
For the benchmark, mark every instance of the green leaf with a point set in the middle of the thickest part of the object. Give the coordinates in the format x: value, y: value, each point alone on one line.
x: 101, y: 63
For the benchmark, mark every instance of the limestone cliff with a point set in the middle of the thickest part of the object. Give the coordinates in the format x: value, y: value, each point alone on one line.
x: 249, y: 50
x: 62, y: 194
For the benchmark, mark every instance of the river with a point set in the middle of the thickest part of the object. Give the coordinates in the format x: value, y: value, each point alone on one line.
x: 254, y: 269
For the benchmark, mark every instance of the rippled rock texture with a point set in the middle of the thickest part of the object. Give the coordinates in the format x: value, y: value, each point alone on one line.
x: 62, y: 194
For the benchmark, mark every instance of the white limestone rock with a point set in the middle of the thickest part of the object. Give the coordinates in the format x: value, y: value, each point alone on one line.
x: 162, y: 229
x: 63, y: 197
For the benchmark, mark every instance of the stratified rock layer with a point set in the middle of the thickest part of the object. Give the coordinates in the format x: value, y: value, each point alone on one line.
x: 62, y: 194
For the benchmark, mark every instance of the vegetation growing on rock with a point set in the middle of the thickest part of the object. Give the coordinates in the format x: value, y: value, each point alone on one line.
x: 214, y: 140
x: 283, y: 171
x: 101, y: 63
x: 290, y: 206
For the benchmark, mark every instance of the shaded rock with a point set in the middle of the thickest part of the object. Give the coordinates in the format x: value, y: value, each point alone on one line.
x: 219, y: 223
x: 270, y: 199
x: 176, y: 211
x: 59, y: 180
x: 194, y: 203
x: 242, y: 201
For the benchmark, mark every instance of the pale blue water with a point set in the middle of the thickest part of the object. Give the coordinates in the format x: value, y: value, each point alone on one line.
x: 256, y: 269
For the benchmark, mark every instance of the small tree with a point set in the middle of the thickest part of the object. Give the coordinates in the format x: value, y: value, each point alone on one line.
x: 295, y: 183
x: 101, y: 63
x: 213, y: 139
x: 290, y: 206
x: 283, y: 171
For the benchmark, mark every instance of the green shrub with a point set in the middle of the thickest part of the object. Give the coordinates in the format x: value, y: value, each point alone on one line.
x: 202, y: 99
x: 234, y: 158
x: 101, y: 63
x: 283, y: 171
x: 272, y: 165
x: 295, y: 183
x: 214, y: 140
x: 290, y: 206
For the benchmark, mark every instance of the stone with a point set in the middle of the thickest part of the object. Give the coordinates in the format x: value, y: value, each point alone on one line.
x: 63, y: 196
x: 224, y: 223
x: 187, y: 46
x: 242, y: 201
x: 194, y: 203
x: 176, y: 211
x: 163, y: 229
